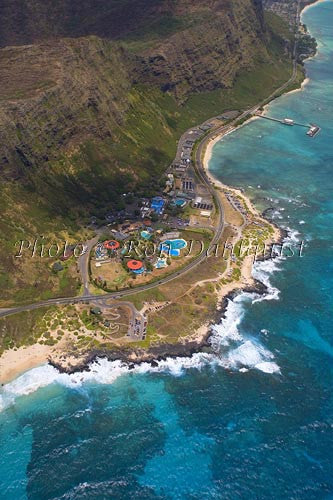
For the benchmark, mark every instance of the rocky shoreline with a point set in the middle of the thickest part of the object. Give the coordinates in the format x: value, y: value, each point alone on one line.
x: 158, y: 353
x: 74, y: 362
x: 79, y: 362
x: 155, y: 354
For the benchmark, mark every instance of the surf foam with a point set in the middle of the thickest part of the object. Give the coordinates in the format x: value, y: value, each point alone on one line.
x: 242, y: 354
x: 234, y: 350
x: 262, y: 272
x: 250, y: 354
x: 100, y: 371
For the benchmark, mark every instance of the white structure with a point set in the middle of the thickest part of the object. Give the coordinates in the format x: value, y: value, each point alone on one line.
x: 288, y: 121
x: 203, y: 203
x: 170, y: 236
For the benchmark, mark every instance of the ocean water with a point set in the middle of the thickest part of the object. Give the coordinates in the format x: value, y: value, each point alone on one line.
x: 255, y: 419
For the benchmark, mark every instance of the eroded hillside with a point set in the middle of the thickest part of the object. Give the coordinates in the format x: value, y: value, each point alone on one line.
x: 86, y: 118
x: 29, y: 21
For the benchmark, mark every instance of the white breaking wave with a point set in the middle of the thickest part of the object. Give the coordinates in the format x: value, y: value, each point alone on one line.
x: 252, y: 355
x: 277, y: 215
x: 227, y: 330
x: 237, y: 351
x: 262, y: 272
x: 231, y: 349
x: 100, y: 371
x: 293, y: 235
x: 103, y: 371
x: 234, y: 350
x: 289, y: 248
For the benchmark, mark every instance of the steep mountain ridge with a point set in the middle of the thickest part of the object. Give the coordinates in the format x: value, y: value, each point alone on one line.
x: 208, y: 55
x: 84, y: 119
x: 72, y: 90
x: 30, y: 21
x: 62, y: 92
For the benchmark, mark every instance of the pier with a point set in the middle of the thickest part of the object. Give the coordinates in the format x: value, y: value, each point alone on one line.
x: 312, y: 128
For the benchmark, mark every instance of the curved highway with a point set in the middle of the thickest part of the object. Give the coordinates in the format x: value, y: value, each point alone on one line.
x: 200, y: 172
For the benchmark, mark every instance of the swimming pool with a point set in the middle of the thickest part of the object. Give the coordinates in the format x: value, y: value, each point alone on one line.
x: 146, y: 235
x: 173, y: 247
x: 177, y: 244
x: 179, y: 203
x: 161, y: 263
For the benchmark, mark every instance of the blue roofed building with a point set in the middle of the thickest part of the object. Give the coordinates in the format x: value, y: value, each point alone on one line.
x: 157, y: 204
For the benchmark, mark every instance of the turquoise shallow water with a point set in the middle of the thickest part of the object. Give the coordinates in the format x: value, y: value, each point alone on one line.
x: 255, y: 420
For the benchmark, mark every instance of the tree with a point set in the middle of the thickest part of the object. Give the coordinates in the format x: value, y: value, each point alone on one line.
x: 57, y: 266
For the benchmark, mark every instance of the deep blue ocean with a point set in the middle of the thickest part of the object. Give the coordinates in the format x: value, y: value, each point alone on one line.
x: 255, y: 419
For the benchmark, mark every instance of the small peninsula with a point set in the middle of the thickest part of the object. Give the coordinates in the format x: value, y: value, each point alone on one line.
x: 139, y: 259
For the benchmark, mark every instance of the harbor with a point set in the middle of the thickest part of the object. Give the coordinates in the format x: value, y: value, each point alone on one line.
x: 312, y: 129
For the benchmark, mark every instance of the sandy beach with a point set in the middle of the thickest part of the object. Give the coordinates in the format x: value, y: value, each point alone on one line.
x: 307, y: 7
x: 303, y: 84
x: 246, y: 279
x: 219, y: 184
x: 208, y: 155
x: 17, y: 361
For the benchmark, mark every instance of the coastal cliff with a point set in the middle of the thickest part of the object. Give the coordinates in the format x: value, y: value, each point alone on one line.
x: 94, y: 97
x: 209, y: 53
x: 25, y: 22
x: 69, y: 89
x: 58, y: 93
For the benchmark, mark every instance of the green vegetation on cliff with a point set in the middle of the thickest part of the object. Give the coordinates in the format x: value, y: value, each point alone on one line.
x: 84, y: 120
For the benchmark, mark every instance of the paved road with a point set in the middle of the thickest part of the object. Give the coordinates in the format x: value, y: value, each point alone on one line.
x: 219, y: 228
x: 137, y: 323
x: 83, y: 263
